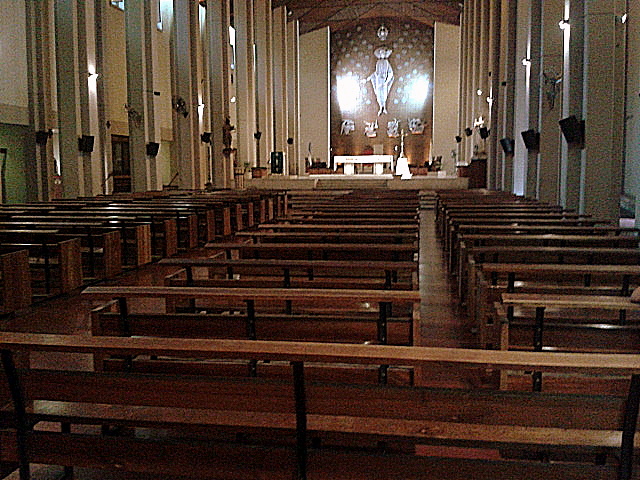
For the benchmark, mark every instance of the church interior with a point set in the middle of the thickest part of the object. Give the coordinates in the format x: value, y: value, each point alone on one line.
x: 294, y: 239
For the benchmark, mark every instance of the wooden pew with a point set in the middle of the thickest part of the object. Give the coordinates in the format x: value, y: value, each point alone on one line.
x: 585, y: 250
x: 15, y: 281
x: 293, y: 273
x: 273, y: 437
x: 494, y: 279
x: 584, y: 308
x: 328, y: 237
x: 319, y: 251
x: 54, y: 264
x: 101, y: 245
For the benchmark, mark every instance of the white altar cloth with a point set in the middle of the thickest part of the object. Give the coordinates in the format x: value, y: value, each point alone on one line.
x: 349, y: 161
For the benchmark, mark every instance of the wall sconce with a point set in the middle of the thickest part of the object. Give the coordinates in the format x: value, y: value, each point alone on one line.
x: 623, y: 18
x: 526, y: 62
x: 479, y: 92
x: 564, y: 24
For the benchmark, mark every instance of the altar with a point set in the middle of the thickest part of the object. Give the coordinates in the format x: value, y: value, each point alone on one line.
x: 349, y: 162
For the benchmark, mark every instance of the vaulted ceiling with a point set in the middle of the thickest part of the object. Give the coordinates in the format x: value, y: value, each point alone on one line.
x: 342, y: 14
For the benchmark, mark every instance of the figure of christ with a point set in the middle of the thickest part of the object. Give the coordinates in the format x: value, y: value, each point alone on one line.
x: 382, y: 78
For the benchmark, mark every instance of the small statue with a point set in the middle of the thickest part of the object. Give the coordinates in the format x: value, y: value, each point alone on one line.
x: 551, y: 80
x: 370, y: 129
x: 347, y: 126
x: 227, y: 128
x: 393, y: 128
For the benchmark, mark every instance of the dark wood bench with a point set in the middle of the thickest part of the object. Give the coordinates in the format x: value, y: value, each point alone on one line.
x: 15, y: 281
x: 54, y: 264
x: 494, y: 279
x: 277, y: 272
x: 319, y: 251
x: 283, y: 428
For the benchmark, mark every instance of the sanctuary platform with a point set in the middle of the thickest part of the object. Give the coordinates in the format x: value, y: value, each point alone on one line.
x: 346, y: 182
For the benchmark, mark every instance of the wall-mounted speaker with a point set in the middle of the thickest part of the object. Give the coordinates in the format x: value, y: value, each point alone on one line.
x: 508, y: 145
x: 572, y: 129
x: 484, y: 132
x: 42, y: 137
x: 85, y: 143
x: 458, y: 138
x: 205, y: 137
x: 468, y: 132
x: 152, y: 149
x: 531, y: 139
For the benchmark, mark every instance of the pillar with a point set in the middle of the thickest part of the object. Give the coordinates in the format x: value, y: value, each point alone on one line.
x: 572, y: 179
x: 603, y: 109
x: 245, y: 82
x: 551, y: 101
x: 533, y: 157
x: 280, y: 98
x: 264, y: 77
x: 218, y: 22
x: 41, y: 115
x: 186, y: 159
x: 293, y: 94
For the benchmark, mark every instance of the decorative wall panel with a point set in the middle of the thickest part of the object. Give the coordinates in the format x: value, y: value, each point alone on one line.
x: 381, y: 85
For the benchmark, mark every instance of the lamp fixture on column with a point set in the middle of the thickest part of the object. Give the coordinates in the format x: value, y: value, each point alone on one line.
x: 564, y: 24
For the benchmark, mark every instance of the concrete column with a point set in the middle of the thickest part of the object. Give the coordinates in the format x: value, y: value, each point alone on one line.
x: 535, y: 36
x: 280, y: 79
x: 245, y: 83
x: 494, y: 151
x: 186, y: 161
x: 264, y: 78
x: 137, y: 36
x: 218, y: 22
x: 103, y: 164
x: 470, y: 91
x: 603, y: 109
x: 68, y: 84
x: 315, y: 90
x: 506, y: 105
x: 551, y: 101
x: 572, y: 178
x: 41, y: 114
x: 462, y: 117
x: 293, y: 93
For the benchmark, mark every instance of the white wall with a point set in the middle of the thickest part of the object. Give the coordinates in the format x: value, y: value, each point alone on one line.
x: 446, y: 67
x: 13, y: 58
x: 314, y: 94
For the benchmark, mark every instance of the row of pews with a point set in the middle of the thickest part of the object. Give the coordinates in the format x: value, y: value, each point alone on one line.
x: 53, y: 248
x: 288, y: 351
x: 565, y: 288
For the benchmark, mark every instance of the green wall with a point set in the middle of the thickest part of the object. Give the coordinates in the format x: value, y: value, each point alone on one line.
x: 20, y: 145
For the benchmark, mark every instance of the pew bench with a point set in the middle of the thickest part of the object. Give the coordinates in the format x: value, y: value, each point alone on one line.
x: 225, y: 429
x: 54, y: 264
x: 494, y: 279
x: 318, y: 251
x: 293, y: 273
x: 15, y: 280
x: 585, y: 309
